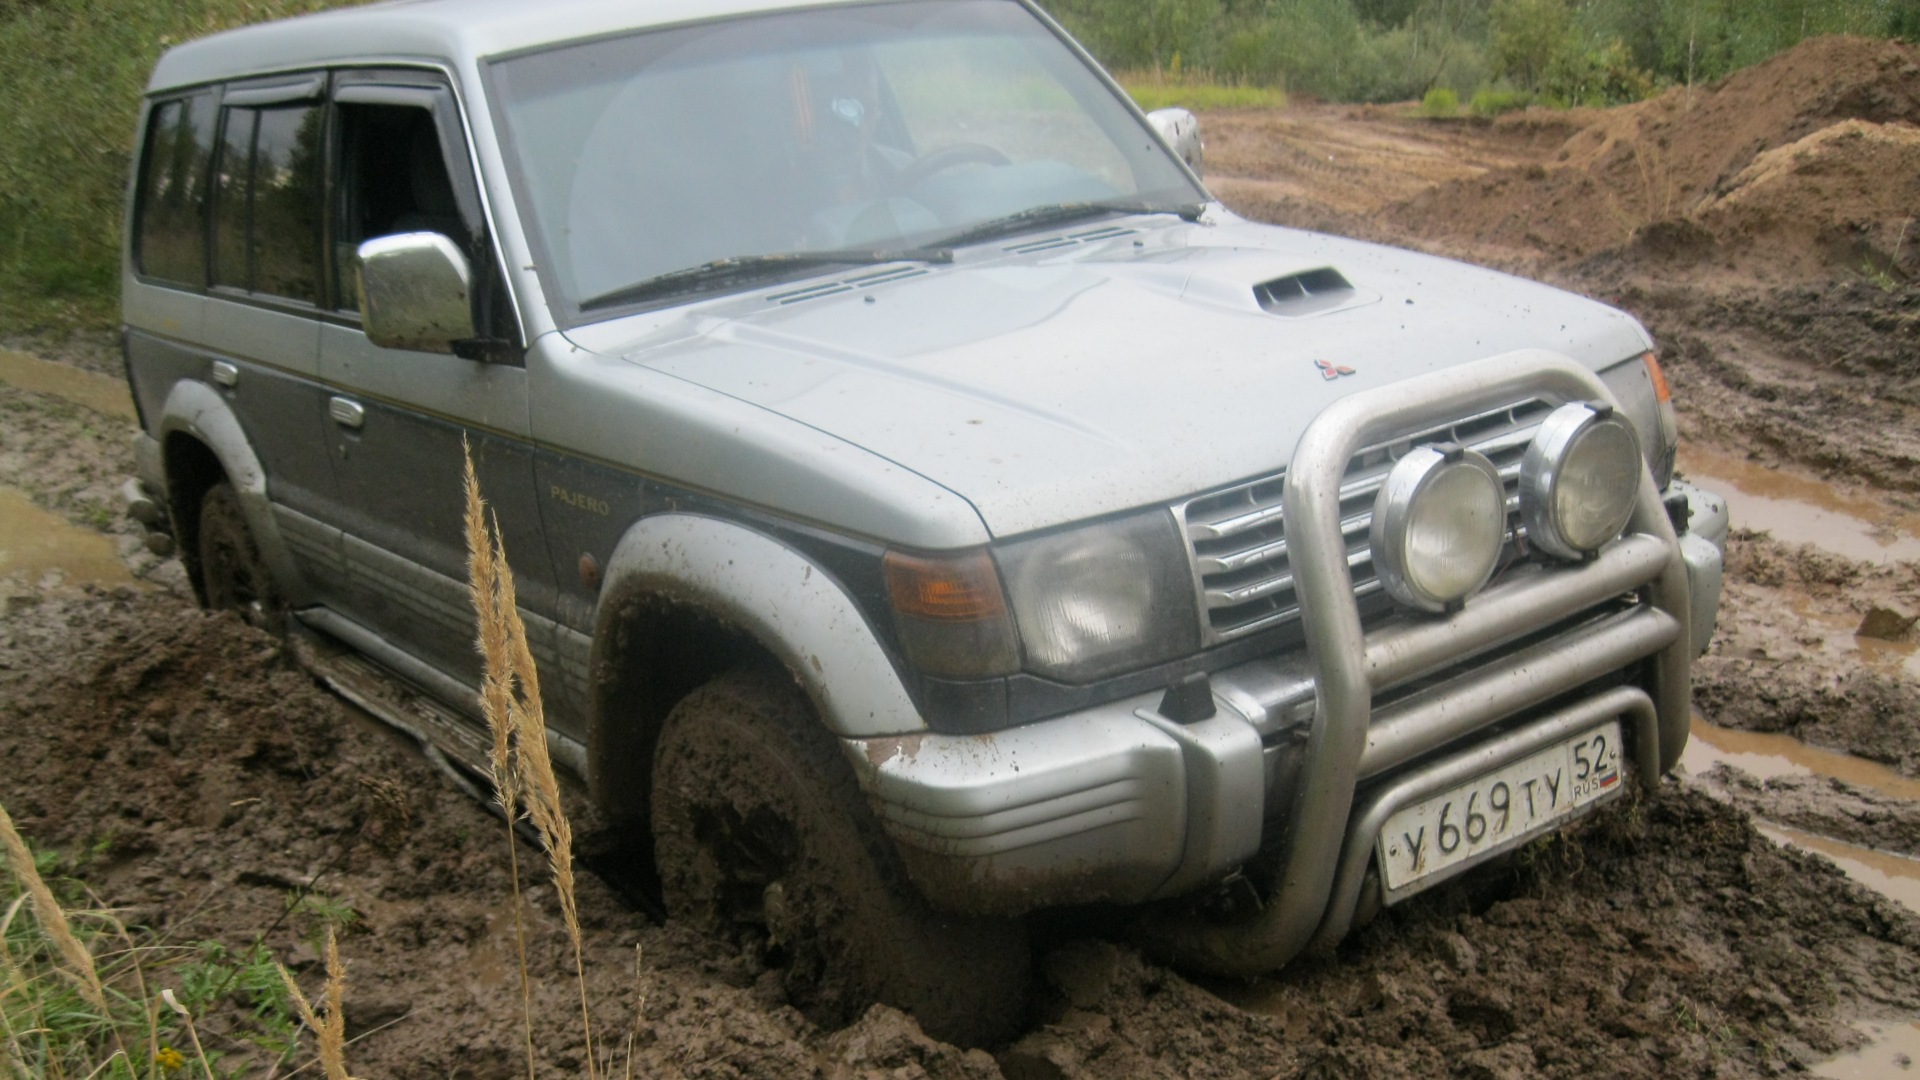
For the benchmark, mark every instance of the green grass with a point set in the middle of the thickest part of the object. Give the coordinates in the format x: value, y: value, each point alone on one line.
x: 52, y: 1028
x: 71, y: 81
x: 1153, y: 94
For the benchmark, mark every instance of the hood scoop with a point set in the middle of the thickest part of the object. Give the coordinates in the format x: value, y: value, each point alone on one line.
x: 1310, y: 292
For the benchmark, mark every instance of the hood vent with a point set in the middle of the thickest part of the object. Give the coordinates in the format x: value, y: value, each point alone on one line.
x: 1310, y: 292
x: 859, y: 281
x: 1053, y: 243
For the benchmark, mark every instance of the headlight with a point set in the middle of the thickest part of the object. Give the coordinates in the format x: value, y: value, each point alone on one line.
x: 1579, y: 480
x: 1438, y: 525
x: 1100, y: 599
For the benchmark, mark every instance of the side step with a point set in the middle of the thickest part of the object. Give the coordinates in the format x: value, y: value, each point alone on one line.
x: 452, y: 743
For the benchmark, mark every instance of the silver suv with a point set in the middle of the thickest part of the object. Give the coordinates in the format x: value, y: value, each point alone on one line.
x: 929, y: 504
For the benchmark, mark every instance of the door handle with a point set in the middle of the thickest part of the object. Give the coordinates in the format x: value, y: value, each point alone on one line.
x: 346, y: 412
x: 225, y: 374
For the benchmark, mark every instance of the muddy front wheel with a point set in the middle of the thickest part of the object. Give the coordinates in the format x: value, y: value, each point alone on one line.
x: 236, y: 578
x: 763, y: 837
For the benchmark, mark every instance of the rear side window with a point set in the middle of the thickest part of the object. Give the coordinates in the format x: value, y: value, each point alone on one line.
x: 267, y: 206
x: 172, y: 203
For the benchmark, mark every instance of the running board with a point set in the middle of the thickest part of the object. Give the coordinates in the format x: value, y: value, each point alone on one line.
x: 356, y: 662
x: 393, y: 703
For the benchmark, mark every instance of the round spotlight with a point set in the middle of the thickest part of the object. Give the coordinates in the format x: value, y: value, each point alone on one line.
x: 1579, y: 480
x: 1438, y: 525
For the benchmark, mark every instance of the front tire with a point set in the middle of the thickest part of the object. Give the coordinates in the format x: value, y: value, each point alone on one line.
x: 763, y: 837
x: 233, y: 575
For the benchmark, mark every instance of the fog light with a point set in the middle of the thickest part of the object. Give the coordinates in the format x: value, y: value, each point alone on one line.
x: 1438, y: 525
x: 1579, y: 480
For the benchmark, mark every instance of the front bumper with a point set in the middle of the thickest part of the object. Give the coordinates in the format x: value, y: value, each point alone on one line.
x: 1121, y: 804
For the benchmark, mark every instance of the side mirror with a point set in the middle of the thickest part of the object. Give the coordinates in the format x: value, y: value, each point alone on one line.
x: 416, y: 292
x: 1181, y: 129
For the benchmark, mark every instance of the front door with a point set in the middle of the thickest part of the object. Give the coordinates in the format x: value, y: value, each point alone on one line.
x: 398, y: 419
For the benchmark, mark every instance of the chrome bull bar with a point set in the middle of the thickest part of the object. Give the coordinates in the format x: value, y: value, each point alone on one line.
x: 1341, y: 746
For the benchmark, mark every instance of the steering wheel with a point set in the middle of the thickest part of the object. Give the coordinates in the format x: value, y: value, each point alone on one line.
x: 947, y: 157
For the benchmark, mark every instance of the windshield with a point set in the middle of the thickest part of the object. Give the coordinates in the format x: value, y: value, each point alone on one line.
x: 879, y: 128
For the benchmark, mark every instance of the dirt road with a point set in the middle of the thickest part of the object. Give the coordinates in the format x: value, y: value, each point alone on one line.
x: 200, y: 781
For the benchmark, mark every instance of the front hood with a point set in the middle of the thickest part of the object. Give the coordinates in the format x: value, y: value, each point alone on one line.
x: 1135, y: 366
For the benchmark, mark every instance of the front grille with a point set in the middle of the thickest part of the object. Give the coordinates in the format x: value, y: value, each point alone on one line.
x: 1238, y: 537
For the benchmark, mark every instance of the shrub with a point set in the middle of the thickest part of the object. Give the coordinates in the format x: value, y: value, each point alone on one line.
x: 1439, y: 102
x: 1488, y: 101
x: 1150, y: 94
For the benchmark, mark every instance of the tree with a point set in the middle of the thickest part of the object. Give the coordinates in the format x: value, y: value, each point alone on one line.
x: 1528, y: 36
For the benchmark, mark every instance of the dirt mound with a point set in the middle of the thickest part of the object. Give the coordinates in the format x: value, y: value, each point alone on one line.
x: 1731, y: 159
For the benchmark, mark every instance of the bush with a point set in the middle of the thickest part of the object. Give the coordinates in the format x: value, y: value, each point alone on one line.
x: 1440, y: 101
x: 1151, y: 94
x: 1488, y: 101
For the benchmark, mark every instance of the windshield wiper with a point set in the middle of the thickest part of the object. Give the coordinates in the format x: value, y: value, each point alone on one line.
x: 1060, y: 213
x: 740, y: 268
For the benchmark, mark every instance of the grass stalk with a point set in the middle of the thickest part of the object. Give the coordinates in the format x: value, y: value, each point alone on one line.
x: 53, y: 918
x: 186, y: 1016
x: 511, y: 699
x: 329, y: 1031
x: 496, y: 704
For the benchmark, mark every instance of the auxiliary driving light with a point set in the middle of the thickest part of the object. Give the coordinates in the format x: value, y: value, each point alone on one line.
x: 1438, y: 525
x: 1579, y: 480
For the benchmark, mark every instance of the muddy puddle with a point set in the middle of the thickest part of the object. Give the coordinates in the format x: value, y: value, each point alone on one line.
x: 35, y: 543
x: 1768, y: 756
x: 1894, y: 1049
x: 97, y: 392
x: 1801, y: 509
x: 1765, y: 756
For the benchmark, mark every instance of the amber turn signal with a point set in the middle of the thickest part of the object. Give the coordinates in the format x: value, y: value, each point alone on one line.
x: 952, y: 614
x: 1662, y: 393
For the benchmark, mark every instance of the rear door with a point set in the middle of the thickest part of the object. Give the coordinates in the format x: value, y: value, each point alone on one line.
x: 259, y: 333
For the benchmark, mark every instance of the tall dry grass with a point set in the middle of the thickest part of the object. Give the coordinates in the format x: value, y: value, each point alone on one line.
x: 524, y: 781
x: 75, y: 1000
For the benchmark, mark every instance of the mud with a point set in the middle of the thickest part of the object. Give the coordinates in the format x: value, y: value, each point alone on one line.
x: 211, y: 785
x: 205, y: 786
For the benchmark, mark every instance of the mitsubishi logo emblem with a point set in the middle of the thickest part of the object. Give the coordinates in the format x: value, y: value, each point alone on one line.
x: 1331, y: 371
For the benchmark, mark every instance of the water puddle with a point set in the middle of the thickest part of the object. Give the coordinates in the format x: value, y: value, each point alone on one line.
x: 1895, y: 1047
x: 1895, y: 877
x: 1767, y: 756
x: 84, y: 388
x: 1800, y: 509
x: 34, y: 543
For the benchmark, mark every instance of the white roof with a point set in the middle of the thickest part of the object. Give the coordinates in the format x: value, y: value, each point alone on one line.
x: 451, y: 32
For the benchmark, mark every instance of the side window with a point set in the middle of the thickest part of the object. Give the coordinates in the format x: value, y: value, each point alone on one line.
x: 266, y: 219
x: 393, y: 179
x: 231, y: 197
x: 170, y: 237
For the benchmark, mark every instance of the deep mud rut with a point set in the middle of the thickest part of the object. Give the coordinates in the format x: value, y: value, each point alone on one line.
x: 204, y: 785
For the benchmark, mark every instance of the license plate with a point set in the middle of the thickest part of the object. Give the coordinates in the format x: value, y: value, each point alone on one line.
x: 1501, y: 808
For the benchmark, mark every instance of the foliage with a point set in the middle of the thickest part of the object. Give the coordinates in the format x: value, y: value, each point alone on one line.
x: 1151, y: 93
x: 72, y: 85
x: 1567, y: 51
x: 1440, y: 101
x: 1492, y: 101
x: 82, y: 995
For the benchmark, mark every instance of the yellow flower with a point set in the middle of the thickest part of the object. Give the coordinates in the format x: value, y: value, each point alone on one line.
x: 169, y: 1059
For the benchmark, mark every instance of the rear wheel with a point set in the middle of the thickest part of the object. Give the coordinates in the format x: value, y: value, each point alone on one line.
x: 763, y: 837
x: 234, y: 575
